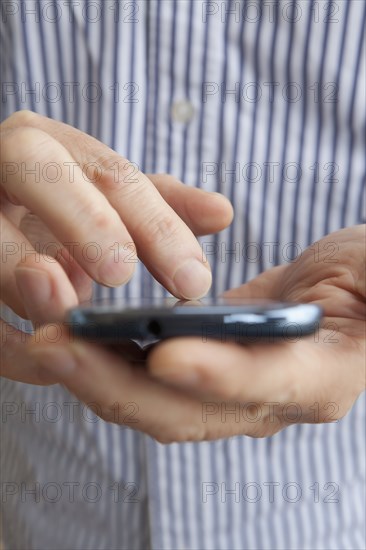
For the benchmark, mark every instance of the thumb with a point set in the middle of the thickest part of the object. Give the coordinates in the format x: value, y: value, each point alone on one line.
x: 266, y: 286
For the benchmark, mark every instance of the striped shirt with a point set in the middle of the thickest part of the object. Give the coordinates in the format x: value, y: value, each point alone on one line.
x: 265, y: 103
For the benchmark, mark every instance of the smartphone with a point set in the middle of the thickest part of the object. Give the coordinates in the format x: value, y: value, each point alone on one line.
x: 146, y: 321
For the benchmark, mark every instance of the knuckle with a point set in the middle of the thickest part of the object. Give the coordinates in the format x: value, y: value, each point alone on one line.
x: 24, y: 143
x: 333, y: 411
x: 230, y: 390
x: 169, y: 178
x: 163, y: 438
x: 265, y: 428
x: 181, y: 433
x: 24, y: 117
x: 108, y: 413
x: 117, y: 174
x: 101, y: 220
x: 160, y: 229
x: 108, y: 183
x: 272, y: 425
x: 108, y: 160
x: 91, y: 217
x: 339, y: 415
x: 292, y: 392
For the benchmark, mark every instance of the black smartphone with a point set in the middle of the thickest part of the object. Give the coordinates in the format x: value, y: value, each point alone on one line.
x: 146, y: 321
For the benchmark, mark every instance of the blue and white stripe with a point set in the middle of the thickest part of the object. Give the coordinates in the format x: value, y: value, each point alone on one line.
x: 295, y: 170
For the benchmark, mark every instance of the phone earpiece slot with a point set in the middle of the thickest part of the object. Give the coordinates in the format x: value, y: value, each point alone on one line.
x: 154, y: 327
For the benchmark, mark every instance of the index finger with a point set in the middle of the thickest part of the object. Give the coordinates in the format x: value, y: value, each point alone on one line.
x: 163, y: 241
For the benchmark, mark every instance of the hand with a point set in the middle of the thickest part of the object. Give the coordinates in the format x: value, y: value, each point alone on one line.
x: 67, y: 195
x: 191, y: 386
x: 73, y: 211
x: 269, y: 386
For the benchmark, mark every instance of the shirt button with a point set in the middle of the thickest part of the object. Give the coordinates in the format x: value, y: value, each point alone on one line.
x: 182, y: 111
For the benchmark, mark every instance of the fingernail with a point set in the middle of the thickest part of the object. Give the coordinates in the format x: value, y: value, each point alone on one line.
x: 117, y: 267
x: 56, y: 361
x: 192, y: 280
x: 35, y: 288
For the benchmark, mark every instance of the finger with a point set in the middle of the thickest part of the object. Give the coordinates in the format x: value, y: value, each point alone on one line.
x: 121, y: 392
x: 44, y: 242
x: 17, y: 250
x: 35, y: 286
x: 12, y: 243
x: 16, y: 364
x: 301, y: 372
x: 125, y: 394
x: 75, y: 212
x: 203, y: 212
x: 79, y: 279
x: 12, y: 212
x: 163, y: 241
x: 45, y: 289
x: 221, y: 369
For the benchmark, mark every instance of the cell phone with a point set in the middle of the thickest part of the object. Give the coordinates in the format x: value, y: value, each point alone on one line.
x: 146, y: 321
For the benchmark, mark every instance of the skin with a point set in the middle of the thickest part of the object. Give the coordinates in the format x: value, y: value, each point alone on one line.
x: 49, y: 220
x: 92, y: 196
x: 187, y: 386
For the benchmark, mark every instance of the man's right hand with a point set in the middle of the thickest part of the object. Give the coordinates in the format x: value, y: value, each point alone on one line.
x: 73, y: 211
